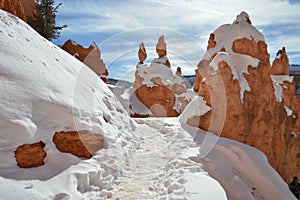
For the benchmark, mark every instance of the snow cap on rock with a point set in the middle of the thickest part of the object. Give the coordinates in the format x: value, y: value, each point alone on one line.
x: 242, y: 17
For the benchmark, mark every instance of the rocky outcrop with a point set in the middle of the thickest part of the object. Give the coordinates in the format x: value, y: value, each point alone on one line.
x: 20, y: 8
x: 142, y: 54
x: 280, y: 65
x: 261, y: 106
x: 161, y: 50
x: 30, y: 155
x: 78, y: 143
x: 90, y: 56
x: 156, y: 87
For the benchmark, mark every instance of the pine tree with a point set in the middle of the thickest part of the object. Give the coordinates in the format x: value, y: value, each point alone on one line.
x: 44, y: 20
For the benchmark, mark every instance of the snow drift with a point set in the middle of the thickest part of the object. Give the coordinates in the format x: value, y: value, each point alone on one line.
x: 44, y: 89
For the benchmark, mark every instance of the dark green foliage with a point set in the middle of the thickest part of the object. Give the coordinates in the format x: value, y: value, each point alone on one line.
x: 43, y: 21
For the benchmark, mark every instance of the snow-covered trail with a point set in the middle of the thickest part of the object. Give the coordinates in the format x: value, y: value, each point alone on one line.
x: 162, y: 167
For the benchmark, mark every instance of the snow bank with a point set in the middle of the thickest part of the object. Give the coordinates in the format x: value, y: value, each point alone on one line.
x: 47, y: 90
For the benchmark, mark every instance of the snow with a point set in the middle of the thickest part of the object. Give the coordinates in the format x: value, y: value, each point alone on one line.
x: 278, y: 81
x: 177, y: 104
x: 223, y: 56
x: 281, y: 78
x: 197, y: 107
x: 178, y: 80
x: 225, y: 35
x: 162, y: 60
x: 279, y: 56
x: 189, y: 95
x: 278, y: 92
x: 289, y: 111
x: 163, y: 168
x: 155, y: 70
x: 48, y: 90
x: 74, y: 43
x: 293, y: 134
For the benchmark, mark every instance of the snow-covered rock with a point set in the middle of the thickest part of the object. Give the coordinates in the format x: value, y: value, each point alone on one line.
x: 161, y: 50
x: 46, y: 90
x: 156, y: 86
x: 247, y: 103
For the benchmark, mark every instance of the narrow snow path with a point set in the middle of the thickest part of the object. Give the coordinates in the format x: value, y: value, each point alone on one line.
x: 162, y: 166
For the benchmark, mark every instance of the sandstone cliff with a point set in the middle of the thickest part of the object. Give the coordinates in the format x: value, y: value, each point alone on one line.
x: 20, y: 8
x: 261, y: 106
x: 90, y: 56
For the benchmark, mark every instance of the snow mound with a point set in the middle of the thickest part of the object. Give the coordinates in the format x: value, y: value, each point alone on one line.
x: 47, y: 90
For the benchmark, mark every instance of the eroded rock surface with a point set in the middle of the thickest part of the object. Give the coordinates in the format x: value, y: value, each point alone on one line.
x: 78, y: 143
x: 30, y: 155
x: 90, y: 56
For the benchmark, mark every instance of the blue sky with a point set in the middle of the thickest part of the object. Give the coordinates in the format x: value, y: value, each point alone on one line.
x: 119, y: 26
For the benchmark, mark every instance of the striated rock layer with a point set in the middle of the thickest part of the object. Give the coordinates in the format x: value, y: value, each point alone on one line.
x: 262, y: 107
x: 20, y: 8
x: 90, y: 56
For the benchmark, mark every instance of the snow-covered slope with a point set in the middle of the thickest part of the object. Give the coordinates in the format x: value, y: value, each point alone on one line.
x: 44, y: 90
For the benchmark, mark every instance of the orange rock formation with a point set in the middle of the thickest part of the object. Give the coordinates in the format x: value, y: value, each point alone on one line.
x: 20, y: 8
x: 90, y: 56
x: 161, y: 93
x: 280, y: 65
x: 258, y: 117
